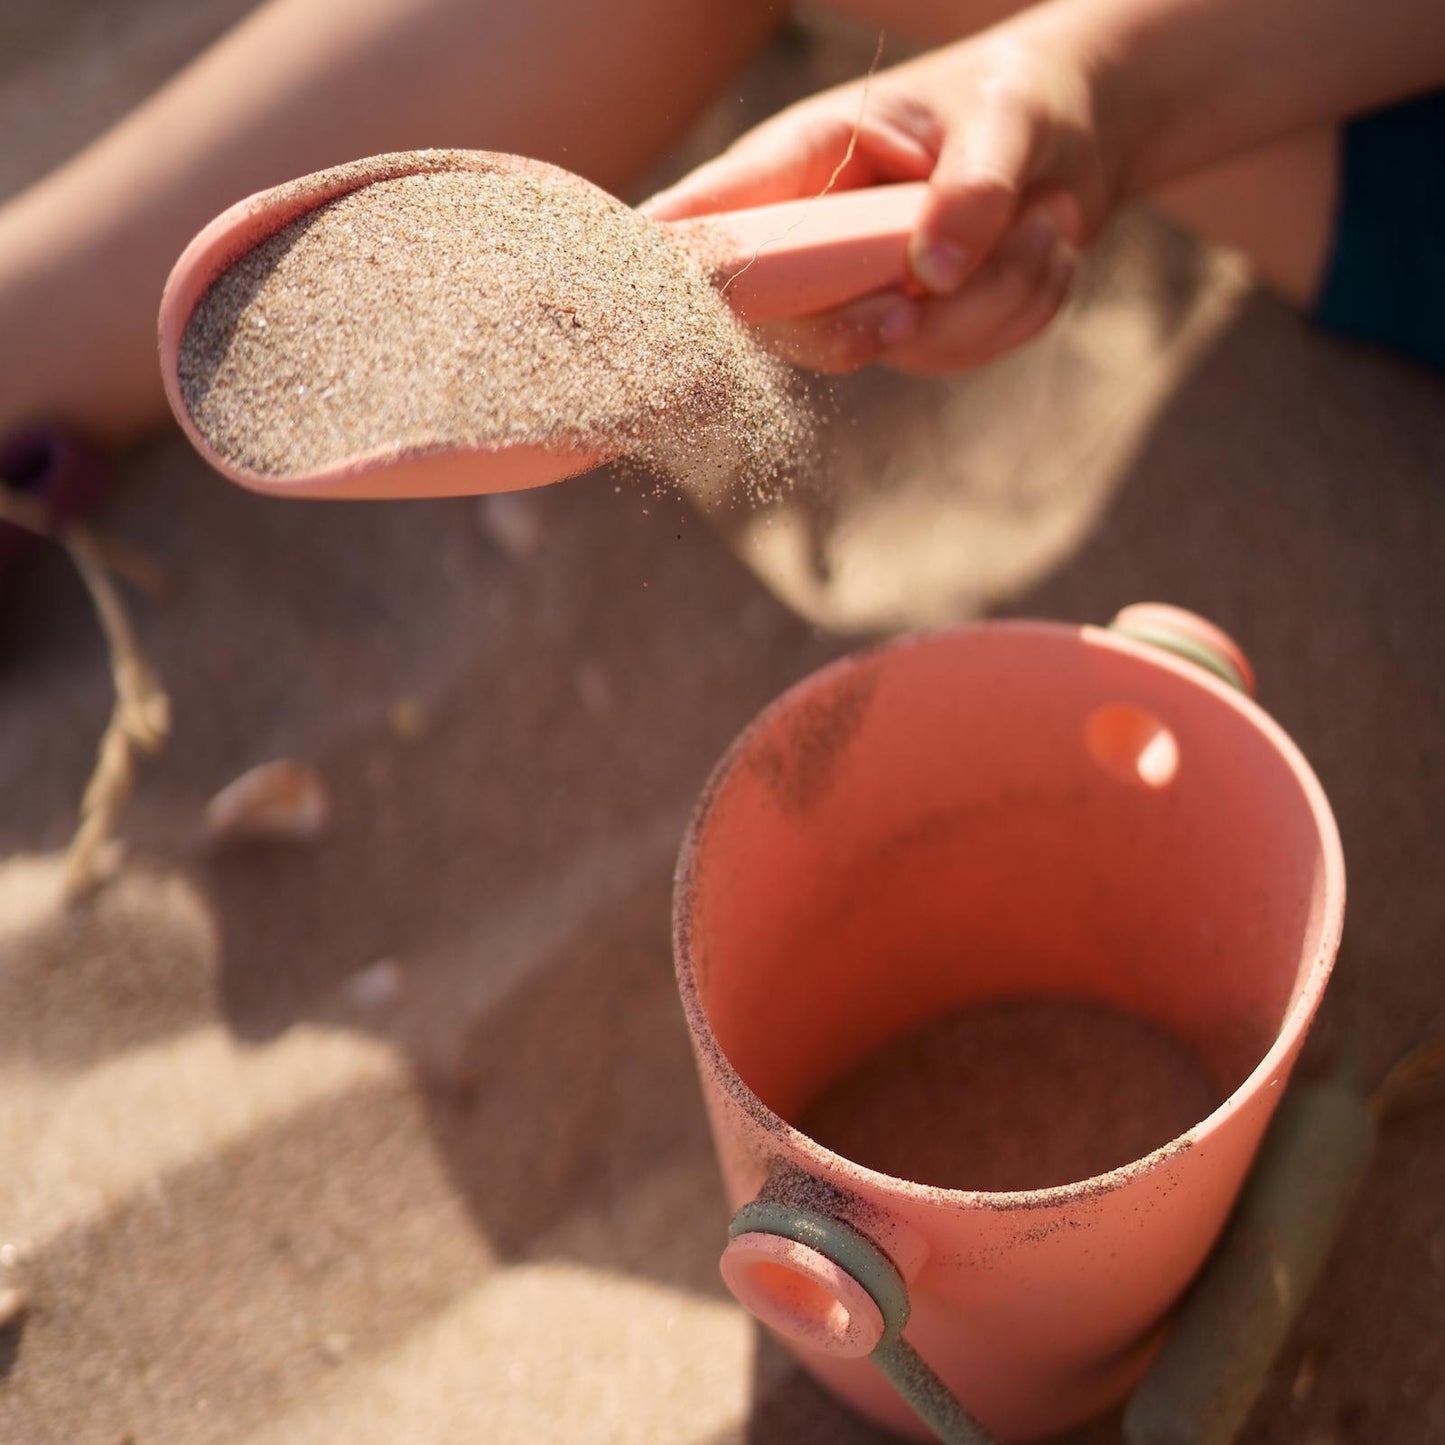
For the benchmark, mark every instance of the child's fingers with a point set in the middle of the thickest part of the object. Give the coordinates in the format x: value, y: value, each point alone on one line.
x: 954, y: 330
x: 974, y: 195
x: 1009, y: 299
x: 1013, y: 295
x: 791, y: 155
x: 845, y: 339
x: 1027, y: 324
x: 771, y: 163
x: 795, y: 154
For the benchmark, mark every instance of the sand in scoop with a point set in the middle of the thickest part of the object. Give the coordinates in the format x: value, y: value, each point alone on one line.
x: 460, y: 307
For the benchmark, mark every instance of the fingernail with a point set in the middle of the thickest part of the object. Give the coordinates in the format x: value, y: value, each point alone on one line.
x: 899, y: 323
x: 1063, y: 262
x: 1042, y: 232
x: 941, y: 267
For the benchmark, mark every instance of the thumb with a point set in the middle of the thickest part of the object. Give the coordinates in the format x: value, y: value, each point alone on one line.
x: 974, y: 195
x: 774, y: 162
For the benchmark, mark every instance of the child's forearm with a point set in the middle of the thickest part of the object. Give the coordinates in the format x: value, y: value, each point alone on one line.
x: 1200, y: 81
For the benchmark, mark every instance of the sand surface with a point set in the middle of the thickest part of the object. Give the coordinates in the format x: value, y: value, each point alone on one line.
x: 256, y: 1199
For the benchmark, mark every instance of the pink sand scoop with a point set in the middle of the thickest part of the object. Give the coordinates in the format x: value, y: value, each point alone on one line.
x: 783, y: 260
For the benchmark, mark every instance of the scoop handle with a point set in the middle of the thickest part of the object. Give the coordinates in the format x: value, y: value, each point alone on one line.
x: 799, y: 257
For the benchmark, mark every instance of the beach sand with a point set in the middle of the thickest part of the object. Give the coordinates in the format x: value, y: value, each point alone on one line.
x: 255, y: 1195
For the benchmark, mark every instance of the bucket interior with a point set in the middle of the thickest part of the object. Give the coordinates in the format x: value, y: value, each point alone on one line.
x: 1011, y: 811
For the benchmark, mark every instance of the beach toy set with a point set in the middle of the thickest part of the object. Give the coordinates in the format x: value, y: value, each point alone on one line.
x: 1013, y: 810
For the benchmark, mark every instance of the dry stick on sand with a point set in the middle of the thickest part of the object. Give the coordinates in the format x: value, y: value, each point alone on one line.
x: 140, y: 717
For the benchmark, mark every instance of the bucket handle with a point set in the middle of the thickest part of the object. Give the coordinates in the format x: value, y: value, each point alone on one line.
x: 869, y: 1268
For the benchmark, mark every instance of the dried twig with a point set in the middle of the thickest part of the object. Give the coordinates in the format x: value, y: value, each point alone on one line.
x: 140, y: 717
x: 124, y: 561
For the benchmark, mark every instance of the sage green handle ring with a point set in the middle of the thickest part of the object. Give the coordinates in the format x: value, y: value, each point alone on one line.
x: 859, y: 1258
x: 1188, y: 648
x: 1190, y: 636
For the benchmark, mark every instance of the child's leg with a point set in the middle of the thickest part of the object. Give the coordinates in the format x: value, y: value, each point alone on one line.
x: 302, y: 84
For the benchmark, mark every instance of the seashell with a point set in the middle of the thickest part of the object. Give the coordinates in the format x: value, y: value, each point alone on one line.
x: 281, y: 801
x: 336, y: 1347
x: 513, y: 523
x: 14, y: 1305
x: 407, y: 719
x: 375, y: 986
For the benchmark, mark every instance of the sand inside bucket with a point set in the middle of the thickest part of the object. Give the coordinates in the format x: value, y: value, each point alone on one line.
x: 1014, y: 1094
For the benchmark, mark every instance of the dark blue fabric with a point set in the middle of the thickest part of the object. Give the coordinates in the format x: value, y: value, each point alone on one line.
x: 1386, y: 277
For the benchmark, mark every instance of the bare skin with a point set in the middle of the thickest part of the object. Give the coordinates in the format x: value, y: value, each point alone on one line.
x: 1031, y: 132
x: 1277, y: 205
x: 84, y: 252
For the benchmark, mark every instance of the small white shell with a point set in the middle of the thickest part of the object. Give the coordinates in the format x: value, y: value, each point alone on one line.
x: 285, y: 801
x: 513, y: 523
x: 14, y: 1304
x: 407, y: 719
x: 375, y: 986
x: 336, y: 1347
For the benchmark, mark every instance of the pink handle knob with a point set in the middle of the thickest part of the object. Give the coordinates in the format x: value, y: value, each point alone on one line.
x: 1190, y: 635
x: 802, y: 1294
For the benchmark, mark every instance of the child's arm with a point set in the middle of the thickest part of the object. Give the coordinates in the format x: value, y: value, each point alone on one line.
x: 300, y: 85
x: 1031, y: 132
x: 1208, y: 80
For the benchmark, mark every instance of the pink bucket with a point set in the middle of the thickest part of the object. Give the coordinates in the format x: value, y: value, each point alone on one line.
x: 1012, y: 809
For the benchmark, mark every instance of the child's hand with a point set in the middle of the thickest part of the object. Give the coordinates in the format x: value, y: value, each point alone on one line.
x: 1011, y: 132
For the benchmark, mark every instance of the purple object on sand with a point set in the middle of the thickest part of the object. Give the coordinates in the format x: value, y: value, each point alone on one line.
x: 66, y: 475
